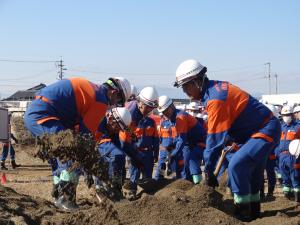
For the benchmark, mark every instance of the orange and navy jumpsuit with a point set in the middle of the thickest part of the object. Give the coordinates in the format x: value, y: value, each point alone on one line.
x: 66, y: 104
x: 111, y: 152
x: 146, y: 145
x: 167, y: 136
x: 190, y: 143
x: 289, y: 166
x: 234, y: 113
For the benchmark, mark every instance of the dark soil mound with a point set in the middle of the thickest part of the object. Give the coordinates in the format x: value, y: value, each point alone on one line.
x: 178, y: 203
x: 22, y: 209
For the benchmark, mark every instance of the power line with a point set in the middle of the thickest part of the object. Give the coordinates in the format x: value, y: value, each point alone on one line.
x: 170, y: 74
x: 28, y: 77
x: 122, y: 73
x: 250, y: 79
x: 26, y: 61
x: 236, y: 68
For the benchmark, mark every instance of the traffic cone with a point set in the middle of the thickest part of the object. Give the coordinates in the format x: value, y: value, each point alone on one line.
x: 3, y: 179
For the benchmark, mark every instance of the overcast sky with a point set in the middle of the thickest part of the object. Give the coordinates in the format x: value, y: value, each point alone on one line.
x: 145, y: 41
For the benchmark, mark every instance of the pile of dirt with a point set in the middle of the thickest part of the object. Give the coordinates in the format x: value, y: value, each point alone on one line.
x: 80, y: 148
x: 20, y: 209
x: 104, y: 214
x: 180, y: 202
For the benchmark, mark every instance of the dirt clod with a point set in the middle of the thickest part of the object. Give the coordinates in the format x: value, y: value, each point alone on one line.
x: 80, y: 148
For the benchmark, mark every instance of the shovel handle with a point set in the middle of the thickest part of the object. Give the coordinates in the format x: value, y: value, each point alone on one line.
x: 221, y: 159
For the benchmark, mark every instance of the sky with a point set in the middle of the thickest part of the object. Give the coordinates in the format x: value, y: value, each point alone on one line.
x: 145, y: 41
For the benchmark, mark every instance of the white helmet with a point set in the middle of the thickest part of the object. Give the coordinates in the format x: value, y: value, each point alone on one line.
x: 122, y: 116
x: 121, y: 84
x: 133, y: 90
x: 149, y: 96
x: 193, y: 106
x: 163, y: 103
x: 286, y: 110
x: 273, y: 109
x: 188, y: 70
x: 294, y: 148
x: 296, y: 109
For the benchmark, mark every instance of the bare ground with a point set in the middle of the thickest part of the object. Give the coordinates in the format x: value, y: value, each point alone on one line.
x: 25, y: 199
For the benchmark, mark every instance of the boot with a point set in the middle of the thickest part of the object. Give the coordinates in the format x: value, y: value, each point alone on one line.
x: 243, y: 212
x: 255, y: 210
x: 297, y: 196
x: 69, y: 205
x: 262, y: 195
x: 55, y: 193
x: 270, y: 195
x: 270, y: 190
x: 116, y: 187
x: 3, y: 167
x: 14, y: 165
x: 67, y: 196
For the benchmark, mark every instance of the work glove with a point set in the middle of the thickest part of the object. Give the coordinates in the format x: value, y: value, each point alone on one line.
x: 211, y: 180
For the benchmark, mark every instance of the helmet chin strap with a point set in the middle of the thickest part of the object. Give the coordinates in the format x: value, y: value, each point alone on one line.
x: 202, y: 84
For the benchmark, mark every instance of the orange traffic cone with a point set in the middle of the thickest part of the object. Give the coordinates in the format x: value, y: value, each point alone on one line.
x: 3, y: 179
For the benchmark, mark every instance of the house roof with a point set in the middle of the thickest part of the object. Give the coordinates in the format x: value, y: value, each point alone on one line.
x: 26, y: 94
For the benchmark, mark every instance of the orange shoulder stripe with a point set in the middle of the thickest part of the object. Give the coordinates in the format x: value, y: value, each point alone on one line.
x: 84, y: 94
x: 93, y: 117
x: 221, y: 114
x: 104, y: 140
x: 263, y: 136
x: 41, y: 121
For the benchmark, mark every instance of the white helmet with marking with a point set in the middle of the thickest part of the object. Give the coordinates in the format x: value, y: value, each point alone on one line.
x: 294, y: 148
x: 122, y: 85
x: 286, y: 110
x: 148, y: 96
x: 189, y: 70
x: 163, y: 103
x: 122, y: 116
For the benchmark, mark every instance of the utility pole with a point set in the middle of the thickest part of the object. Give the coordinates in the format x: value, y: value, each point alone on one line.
x: 276, y: 76
x: 61, y: 69
x: 269, y: 75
